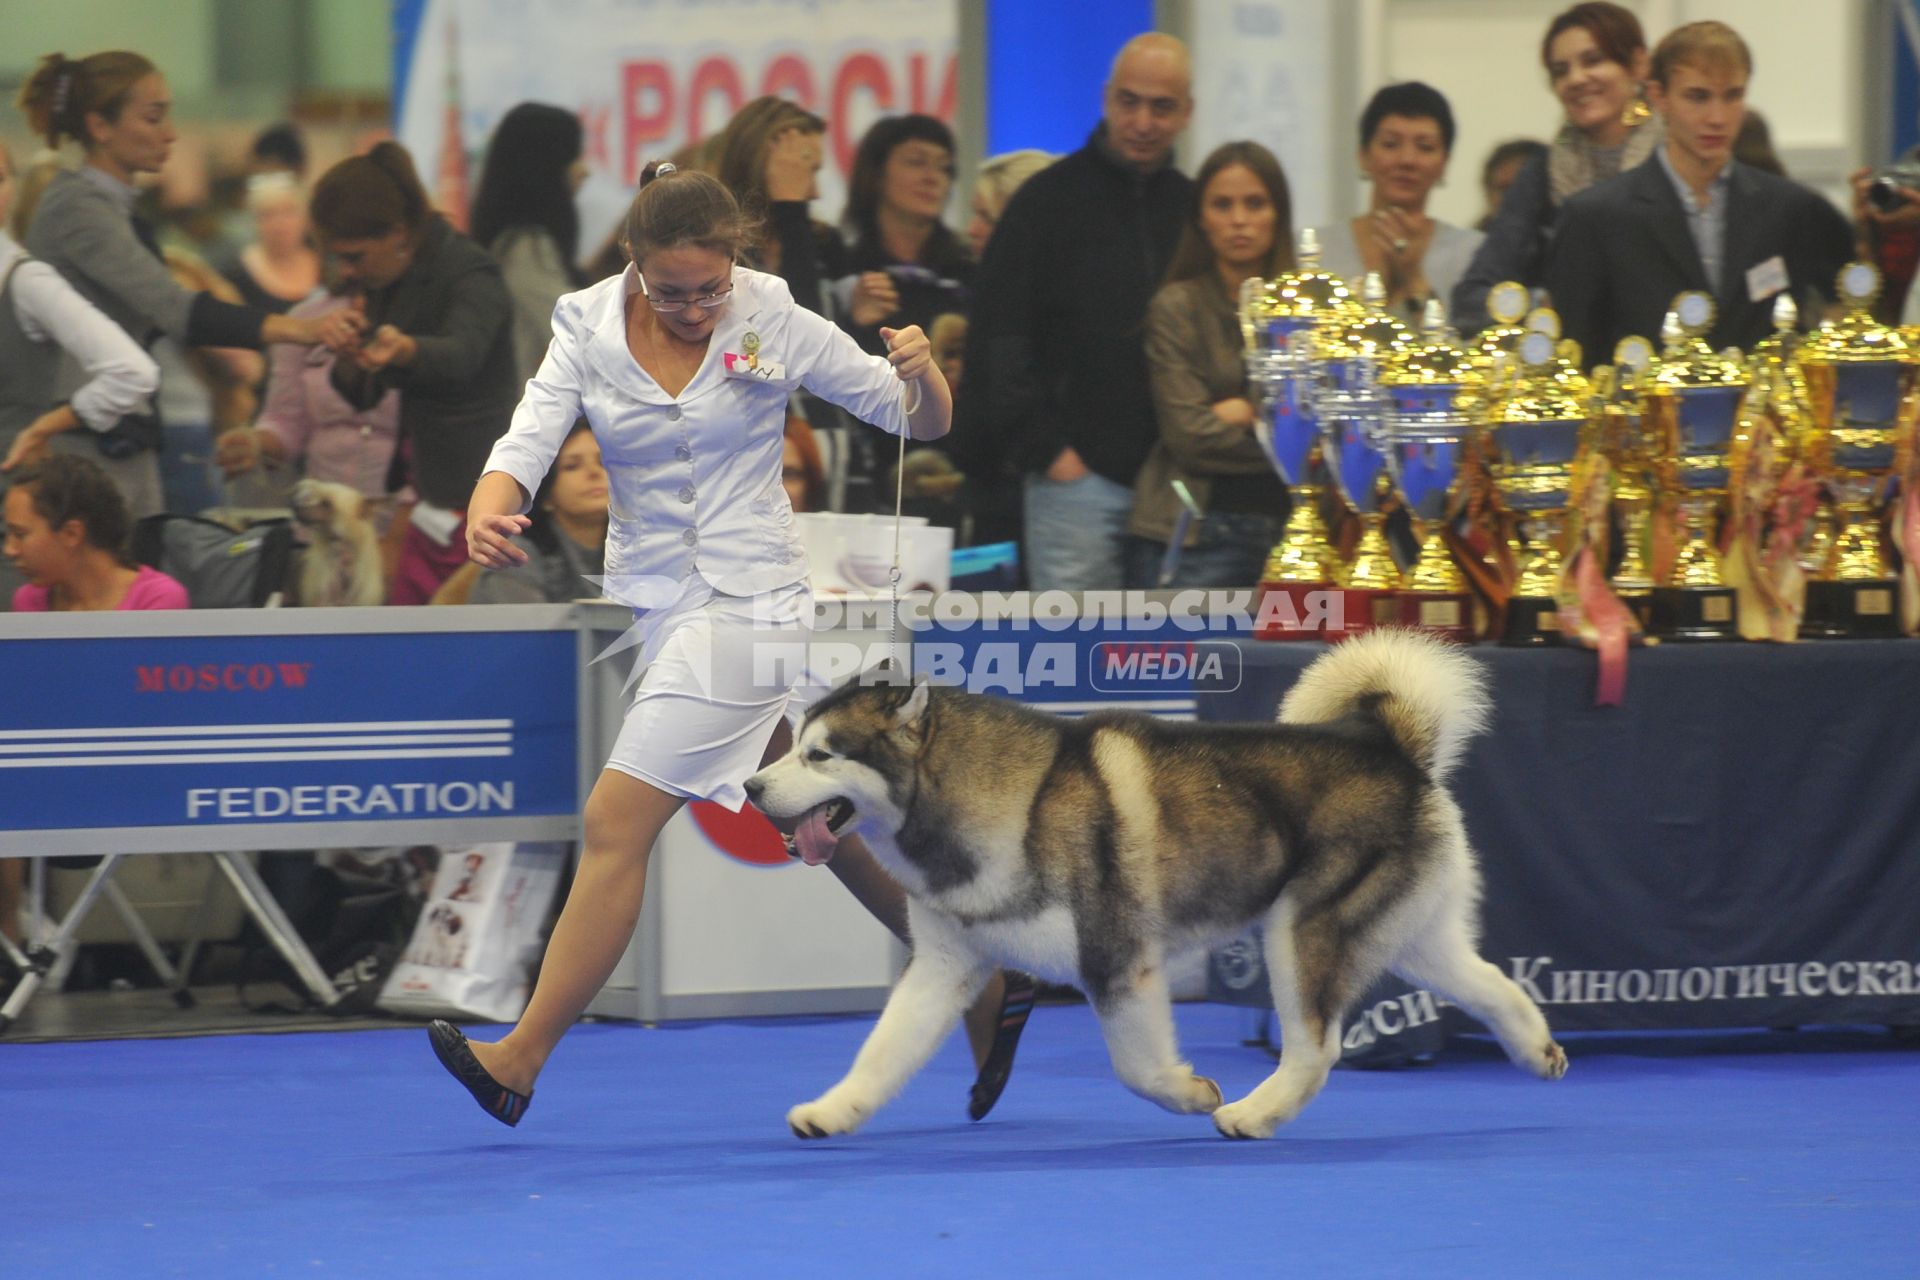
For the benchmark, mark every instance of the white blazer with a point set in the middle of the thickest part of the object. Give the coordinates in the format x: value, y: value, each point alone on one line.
x: 693, y: 483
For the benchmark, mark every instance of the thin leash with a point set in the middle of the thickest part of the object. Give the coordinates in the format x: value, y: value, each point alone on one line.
x: 893, y: 572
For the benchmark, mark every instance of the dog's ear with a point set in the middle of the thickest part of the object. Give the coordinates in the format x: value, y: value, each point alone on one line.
x: 908, y: 713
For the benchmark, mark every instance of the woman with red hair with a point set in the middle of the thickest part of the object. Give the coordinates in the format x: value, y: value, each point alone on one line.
x: 1595, y: 56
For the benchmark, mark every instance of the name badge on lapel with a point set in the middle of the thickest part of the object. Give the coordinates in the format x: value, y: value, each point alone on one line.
x: 747, y: 362
x: 740, y: 366
x: 1767, y: 279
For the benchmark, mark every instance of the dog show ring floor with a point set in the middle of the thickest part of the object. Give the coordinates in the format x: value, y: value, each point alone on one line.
x: 663, y: 1152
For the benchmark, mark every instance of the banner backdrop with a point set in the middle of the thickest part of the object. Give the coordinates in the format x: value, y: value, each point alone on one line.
x: 1733, y: 847
x: 648, y: 76
x: 1270, y: 76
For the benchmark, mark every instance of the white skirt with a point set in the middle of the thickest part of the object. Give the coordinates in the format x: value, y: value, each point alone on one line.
x: 720, y: 672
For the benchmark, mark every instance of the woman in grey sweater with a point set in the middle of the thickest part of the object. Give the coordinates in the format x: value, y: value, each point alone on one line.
x: 117, y: 106
x: 524, y: 216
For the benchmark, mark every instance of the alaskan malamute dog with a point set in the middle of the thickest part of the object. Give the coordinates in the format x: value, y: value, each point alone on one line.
x: 1088, y: 851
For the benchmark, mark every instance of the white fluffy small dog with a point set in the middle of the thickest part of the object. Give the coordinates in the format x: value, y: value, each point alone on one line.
x: 341, y: 563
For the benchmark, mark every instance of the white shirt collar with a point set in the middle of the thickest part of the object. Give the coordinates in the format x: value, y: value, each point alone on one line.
x: 1689, y: 200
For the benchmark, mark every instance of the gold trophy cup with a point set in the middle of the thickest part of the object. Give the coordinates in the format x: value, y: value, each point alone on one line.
x: 1624, y: 440
x: 1278, y: 318
x: 1692, y: 408
x: 1860, y: 378
x: 1535, y: 426
x: 1433, y: 392
x: 1347, y: 362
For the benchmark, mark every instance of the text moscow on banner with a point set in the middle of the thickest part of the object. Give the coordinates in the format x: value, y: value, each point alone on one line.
x: 212, y: 730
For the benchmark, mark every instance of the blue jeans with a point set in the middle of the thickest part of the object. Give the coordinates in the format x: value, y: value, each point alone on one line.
x: 1231, y: 552
x: 1076, y: 533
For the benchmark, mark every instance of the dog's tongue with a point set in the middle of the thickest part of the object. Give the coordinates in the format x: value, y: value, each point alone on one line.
x: 812, y: 837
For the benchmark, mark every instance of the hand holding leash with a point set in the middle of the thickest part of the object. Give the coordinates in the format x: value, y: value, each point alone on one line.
x: 908, y: 351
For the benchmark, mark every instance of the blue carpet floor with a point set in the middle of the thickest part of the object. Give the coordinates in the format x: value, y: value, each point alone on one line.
x: 663, y: 1153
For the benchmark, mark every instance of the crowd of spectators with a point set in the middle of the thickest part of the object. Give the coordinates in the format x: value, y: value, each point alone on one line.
x: 1084, y: 313
x: 1089, y: 301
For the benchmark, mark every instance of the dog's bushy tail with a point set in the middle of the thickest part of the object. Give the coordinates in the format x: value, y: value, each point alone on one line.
x: 1430, y: 695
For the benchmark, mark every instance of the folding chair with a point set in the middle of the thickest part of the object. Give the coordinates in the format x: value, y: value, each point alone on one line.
x: 51, y: 960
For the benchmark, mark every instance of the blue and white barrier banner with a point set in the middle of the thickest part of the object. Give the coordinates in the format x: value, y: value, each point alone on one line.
x: 325, y: 732
x: 649, y: 76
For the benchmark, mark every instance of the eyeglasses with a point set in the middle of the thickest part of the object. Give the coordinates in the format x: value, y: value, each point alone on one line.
x: 667, y: 306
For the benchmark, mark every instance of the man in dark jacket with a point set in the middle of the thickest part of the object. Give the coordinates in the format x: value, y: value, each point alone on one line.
x: 1693, y: 217
x: 1056, y: 387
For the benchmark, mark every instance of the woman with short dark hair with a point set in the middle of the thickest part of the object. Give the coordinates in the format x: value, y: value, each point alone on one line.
x: 907, y: 266
x: 1406, y: 138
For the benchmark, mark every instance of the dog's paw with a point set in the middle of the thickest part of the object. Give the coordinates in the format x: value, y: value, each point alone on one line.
x: 823, y: 1119
x: 1552, y: 1064
x: 1195, y: 1095
x: 1244, y: 1120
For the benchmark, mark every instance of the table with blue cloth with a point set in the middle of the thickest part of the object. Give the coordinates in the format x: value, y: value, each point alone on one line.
x: 1736, y: 845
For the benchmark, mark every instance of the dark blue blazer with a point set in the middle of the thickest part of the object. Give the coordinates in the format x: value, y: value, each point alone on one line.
x: 1623, y: 250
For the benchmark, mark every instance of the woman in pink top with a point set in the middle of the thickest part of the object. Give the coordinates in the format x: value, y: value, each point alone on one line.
x: 67, y: 528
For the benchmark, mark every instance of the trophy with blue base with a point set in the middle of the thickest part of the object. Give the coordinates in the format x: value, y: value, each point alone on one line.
x: 1278, y: 320
x: 1433, y: 392
x: 1346, y: 365
x: 1535, y: 425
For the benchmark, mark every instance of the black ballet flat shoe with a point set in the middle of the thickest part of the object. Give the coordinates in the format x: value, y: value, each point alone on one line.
x: 498, y: 1101
x: 1016, y: 1003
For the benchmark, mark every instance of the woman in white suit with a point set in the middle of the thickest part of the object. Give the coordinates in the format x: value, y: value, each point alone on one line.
x: 682, y: 367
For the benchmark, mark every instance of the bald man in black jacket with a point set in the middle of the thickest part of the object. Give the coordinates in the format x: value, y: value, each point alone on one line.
x: 1055, y: 395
